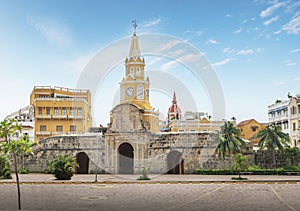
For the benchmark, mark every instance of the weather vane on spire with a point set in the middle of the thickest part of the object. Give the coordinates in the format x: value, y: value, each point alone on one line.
x: 134, y: 25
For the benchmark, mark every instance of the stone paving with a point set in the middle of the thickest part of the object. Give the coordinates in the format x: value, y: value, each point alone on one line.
x: 152, y: 197
x: 166, y: 192
x: 36, y: 177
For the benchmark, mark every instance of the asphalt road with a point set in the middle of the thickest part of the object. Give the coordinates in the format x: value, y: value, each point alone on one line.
x: 152, y: 197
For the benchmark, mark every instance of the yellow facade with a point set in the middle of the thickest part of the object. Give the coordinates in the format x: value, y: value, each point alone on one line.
x: 134, y: 87
x: 60, y: 111
x: 250, y: 128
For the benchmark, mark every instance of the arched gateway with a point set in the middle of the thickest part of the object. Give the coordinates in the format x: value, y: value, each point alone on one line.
x: 125, y: 158
x: 175, y: 163
x: 83, y: 163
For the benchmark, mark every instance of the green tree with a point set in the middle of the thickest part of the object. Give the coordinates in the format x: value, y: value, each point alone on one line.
x: 4, y: 167
x: 229, y: 140
x: 14, y: 145
x: 291, y: 154
x: 240, y: 164
x: 63, y: 167
x: 272, y: 138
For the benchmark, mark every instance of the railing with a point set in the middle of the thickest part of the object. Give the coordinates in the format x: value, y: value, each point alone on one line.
x: 43, y: 133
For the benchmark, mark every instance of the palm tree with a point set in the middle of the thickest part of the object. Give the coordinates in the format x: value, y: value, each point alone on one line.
x: 230, y: 140
x: 240, y: 163
x: 291, y: 154
x: 272, y: 138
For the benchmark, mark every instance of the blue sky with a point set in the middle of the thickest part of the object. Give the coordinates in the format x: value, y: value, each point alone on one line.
x: 253, y: 46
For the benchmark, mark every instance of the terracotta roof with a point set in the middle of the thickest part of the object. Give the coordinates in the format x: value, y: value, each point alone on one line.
x: 245, y: 122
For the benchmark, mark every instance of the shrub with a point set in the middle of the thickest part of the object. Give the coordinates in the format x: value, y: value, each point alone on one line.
x: 144, y: 174
x: 24, y: 171
x: 63, y: 167
x: 254, y: 168
x: 4, y: 168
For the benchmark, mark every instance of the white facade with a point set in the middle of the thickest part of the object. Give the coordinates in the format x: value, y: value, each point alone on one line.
x: 287, y: 115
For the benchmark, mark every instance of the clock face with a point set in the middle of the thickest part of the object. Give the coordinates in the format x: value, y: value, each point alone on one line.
x: 129, y: 91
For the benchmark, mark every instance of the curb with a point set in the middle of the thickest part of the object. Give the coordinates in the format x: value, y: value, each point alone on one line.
x: 153, y: 182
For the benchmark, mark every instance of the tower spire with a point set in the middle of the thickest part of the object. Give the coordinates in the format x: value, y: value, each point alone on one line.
x: 134, y: 26
x: 134, y: 46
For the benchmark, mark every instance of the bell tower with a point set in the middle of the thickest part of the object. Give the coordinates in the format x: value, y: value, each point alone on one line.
x: 134, y: 88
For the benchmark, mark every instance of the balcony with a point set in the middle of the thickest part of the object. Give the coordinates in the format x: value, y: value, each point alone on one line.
x: 43, y: 133
x: 75, y: 117
x: 58, y: 133
x: 59, y: 116
x: 41, y: 116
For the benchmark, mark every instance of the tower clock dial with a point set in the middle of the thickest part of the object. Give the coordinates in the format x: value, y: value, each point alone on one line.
x: 129, y: 91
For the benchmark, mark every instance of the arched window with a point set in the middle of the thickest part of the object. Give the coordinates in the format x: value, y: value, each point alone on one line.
x: 140, y: 92
x: 138, y: 71
x: 131, y: 70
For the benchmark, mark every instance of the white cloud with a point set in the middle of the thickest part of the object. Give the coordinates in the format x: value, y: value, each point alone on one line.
x: 79, y: 63
x: 292, y: 27
x: 269, y: 11
x: 256, y: 28
x: 212, y: 41
x: 228, y: 50
x: 238, y: 30
x: 151, y: 23
x: 290, y: 63
x: 295, y: 50
x: 245, y: 52
x: 277, y: 32
x: 274, y: 19
x: 229, y: 15
x: 168, y: 65
x: 54, y: 30
x: 245, y: 21
x: 170, y: 45
x: 297, y: 79
x: 221, y: 63
x: 279, y: 83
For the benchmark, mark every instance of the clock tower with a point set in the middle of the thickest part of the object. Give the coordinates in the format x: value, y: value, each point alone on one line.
x: 134, y: 104
x: 134, y: 88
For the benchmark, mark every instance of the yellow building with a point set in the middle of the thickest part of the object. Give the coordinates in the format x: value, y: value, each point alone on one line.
x: 134, y: 91
x: 249, y: 128
x: 60, y: 111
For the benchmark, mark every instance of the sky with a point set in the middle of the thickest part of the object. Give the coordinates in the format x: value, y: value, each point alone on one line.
x: 253, y: 47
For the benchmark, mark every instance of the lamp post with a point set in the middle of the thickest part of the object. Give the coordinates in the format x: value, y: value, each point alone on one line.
x: 97, y: 154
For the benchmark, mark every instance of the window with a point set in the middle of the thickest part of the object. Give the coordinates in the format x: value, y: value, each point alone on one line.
x: 254, y: 128
x: 71, y: 111
x: 79, y: 112
x: 40, y: 110
x: 55, y: 111
x: 131, y: 70
x: 72, y: 128
x: 59, y: 128
x: 43, y: 128
x: 48, y: 111
x: 140, y: 92
x: 294, y: 126
x: 63, y: 111
x: 138, y: 71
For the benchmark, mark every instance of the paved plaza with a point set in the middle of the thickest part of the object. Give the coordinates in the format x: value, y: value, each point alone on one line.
x: 163, y: 192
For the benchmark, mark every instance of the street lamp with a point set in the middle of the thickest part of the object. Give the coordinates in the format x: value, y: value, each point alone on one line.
x: 97, y: 154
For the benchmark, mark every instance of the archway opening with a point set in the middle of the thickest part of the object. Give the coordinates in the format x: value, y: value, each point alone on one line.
x: 125, y: 153
x: 175, y: 163
x: 83, y: 163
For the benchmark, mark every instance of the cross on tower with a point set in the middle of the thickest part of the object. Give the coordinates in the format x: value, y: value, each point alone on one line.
x: 134, y: 25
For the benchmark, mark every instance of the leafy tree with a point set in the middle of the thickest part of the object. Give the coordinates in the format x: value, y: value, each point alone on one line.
x: 63, y: 167
x: 240, y: 164
x: 272, y: 138
x: 291, y: 154
x: 229, y: 140
x: 10, y: 130
x: 4, y: 168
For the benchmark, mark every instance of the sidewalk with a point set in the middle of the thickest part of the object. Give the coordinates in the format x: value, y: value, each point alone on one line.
x: 38, y: 178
